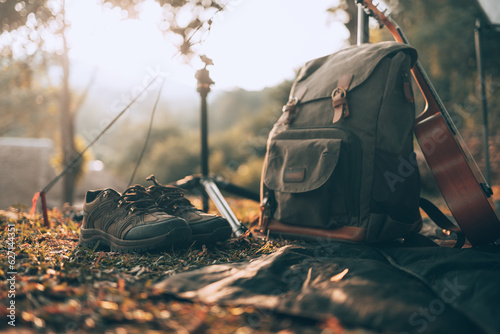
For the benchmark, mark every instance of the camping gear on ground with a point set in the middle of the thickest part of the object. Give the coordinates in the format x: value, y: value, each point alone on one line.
x: 129, y: 222
x: 205, y: 227
x: 340, y: 160
x: 355, y: 177
x: 140, y: 219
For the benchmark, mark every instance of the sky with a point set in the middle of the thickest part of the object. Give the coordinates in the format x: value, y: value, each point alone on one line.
x: 254, y: 44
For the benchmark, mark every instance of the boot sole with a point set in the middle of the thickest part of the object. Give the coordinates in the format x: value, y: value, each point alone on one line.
x: 92, y: 238
x: 219, y: 234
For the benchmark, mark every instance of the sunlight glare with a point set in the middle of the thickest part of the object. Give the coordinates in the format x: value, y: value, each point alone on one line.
x: 112, y: 43
x: 266, y: 41
x: 253, y: 44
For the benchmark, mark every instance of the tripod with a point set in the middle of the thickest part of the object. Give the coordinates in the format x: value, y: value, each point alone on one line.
x: 209, y: 186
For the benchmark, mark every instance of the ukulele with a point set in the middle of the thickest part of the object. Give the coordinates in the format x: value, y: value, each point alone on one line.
x: 460, y: 181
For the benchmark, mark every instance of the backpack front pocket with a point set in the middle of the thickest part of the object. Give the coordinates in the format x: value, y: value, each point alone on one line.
x: 311, y: 180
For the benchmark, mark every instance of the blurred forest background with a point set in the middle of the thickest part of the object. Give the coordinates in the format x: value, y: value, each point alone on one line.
x: 36, y: 100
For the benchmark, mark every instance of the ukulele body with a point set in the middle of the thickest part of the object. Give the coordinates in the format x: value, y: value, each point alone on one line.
x: 471, y: 207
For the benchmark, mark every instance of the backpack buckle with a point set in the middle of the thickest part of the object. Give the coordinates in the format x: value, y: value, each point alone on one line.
x: 339, y: 102
x: 339, y: 98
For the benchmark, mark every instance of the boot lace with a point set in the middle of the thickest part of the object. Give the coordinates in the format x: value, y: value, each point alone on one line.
x: 136, y: 199
x: 170, y: 198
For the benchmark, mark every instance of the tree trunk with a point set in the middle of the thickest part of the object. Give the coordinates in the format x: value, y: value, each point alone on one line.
x: 68, y: 150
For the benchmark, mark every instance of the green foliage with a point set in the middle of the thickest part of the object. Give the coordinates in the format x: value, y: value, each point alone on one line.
x: 244, y: 120
x: 443, y: 33
x: 14, y: 14
x: 26, y: 107
x: 26, y: 26
x: 80, y: 166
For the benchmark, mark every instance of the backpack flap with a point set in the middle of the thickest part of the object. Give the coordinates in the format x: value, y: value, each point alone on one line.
x: 334, y: 76
x: 297, y: 166
x: 307, y: 179
x: 360, y: 61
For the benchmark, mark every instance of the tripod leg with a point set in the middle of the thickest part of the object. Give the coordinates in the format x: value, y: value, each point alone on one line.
x: 204, y: 200
x: 223, y: 207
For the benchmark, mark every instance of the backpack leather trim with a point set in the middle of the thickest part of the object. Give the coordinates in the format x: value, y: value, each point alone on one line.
x: 349, y: 233
x: 339, y: 98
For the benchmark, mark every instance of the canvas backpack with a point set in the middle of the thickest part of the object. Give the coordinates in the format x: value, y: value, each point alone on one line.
x: 340, y: 161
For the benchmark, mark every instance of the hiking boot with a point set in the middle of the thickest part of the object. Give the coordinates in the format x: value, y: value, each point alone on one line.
x: 129, y: 222
x: 205, y: 228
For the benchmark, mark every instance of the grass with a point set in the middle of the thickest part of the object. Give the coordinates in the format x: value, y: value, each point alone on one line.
x: 60, y: 288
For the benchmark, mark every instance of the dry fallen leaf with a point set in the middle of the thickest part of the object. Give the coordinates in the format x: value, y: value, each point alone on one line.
x: 339, y: 276
x: 108, y: 305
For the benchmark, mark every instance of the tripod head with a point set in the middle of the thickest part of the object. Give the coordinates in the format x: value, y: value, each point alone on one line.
x: 203, y: 77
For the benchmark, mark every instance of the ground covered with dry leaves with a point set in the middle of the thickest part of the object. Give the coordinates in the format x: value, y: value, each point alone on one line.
x: 60, y: 288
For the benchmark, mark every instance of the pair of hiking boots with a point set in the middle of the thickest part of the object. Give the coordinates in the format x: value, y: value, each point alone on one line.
x: 146, y: 219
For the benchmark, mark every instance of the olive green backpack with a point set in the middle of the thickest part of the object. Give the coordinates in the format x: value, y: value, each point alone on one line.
x: 340, y: 161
